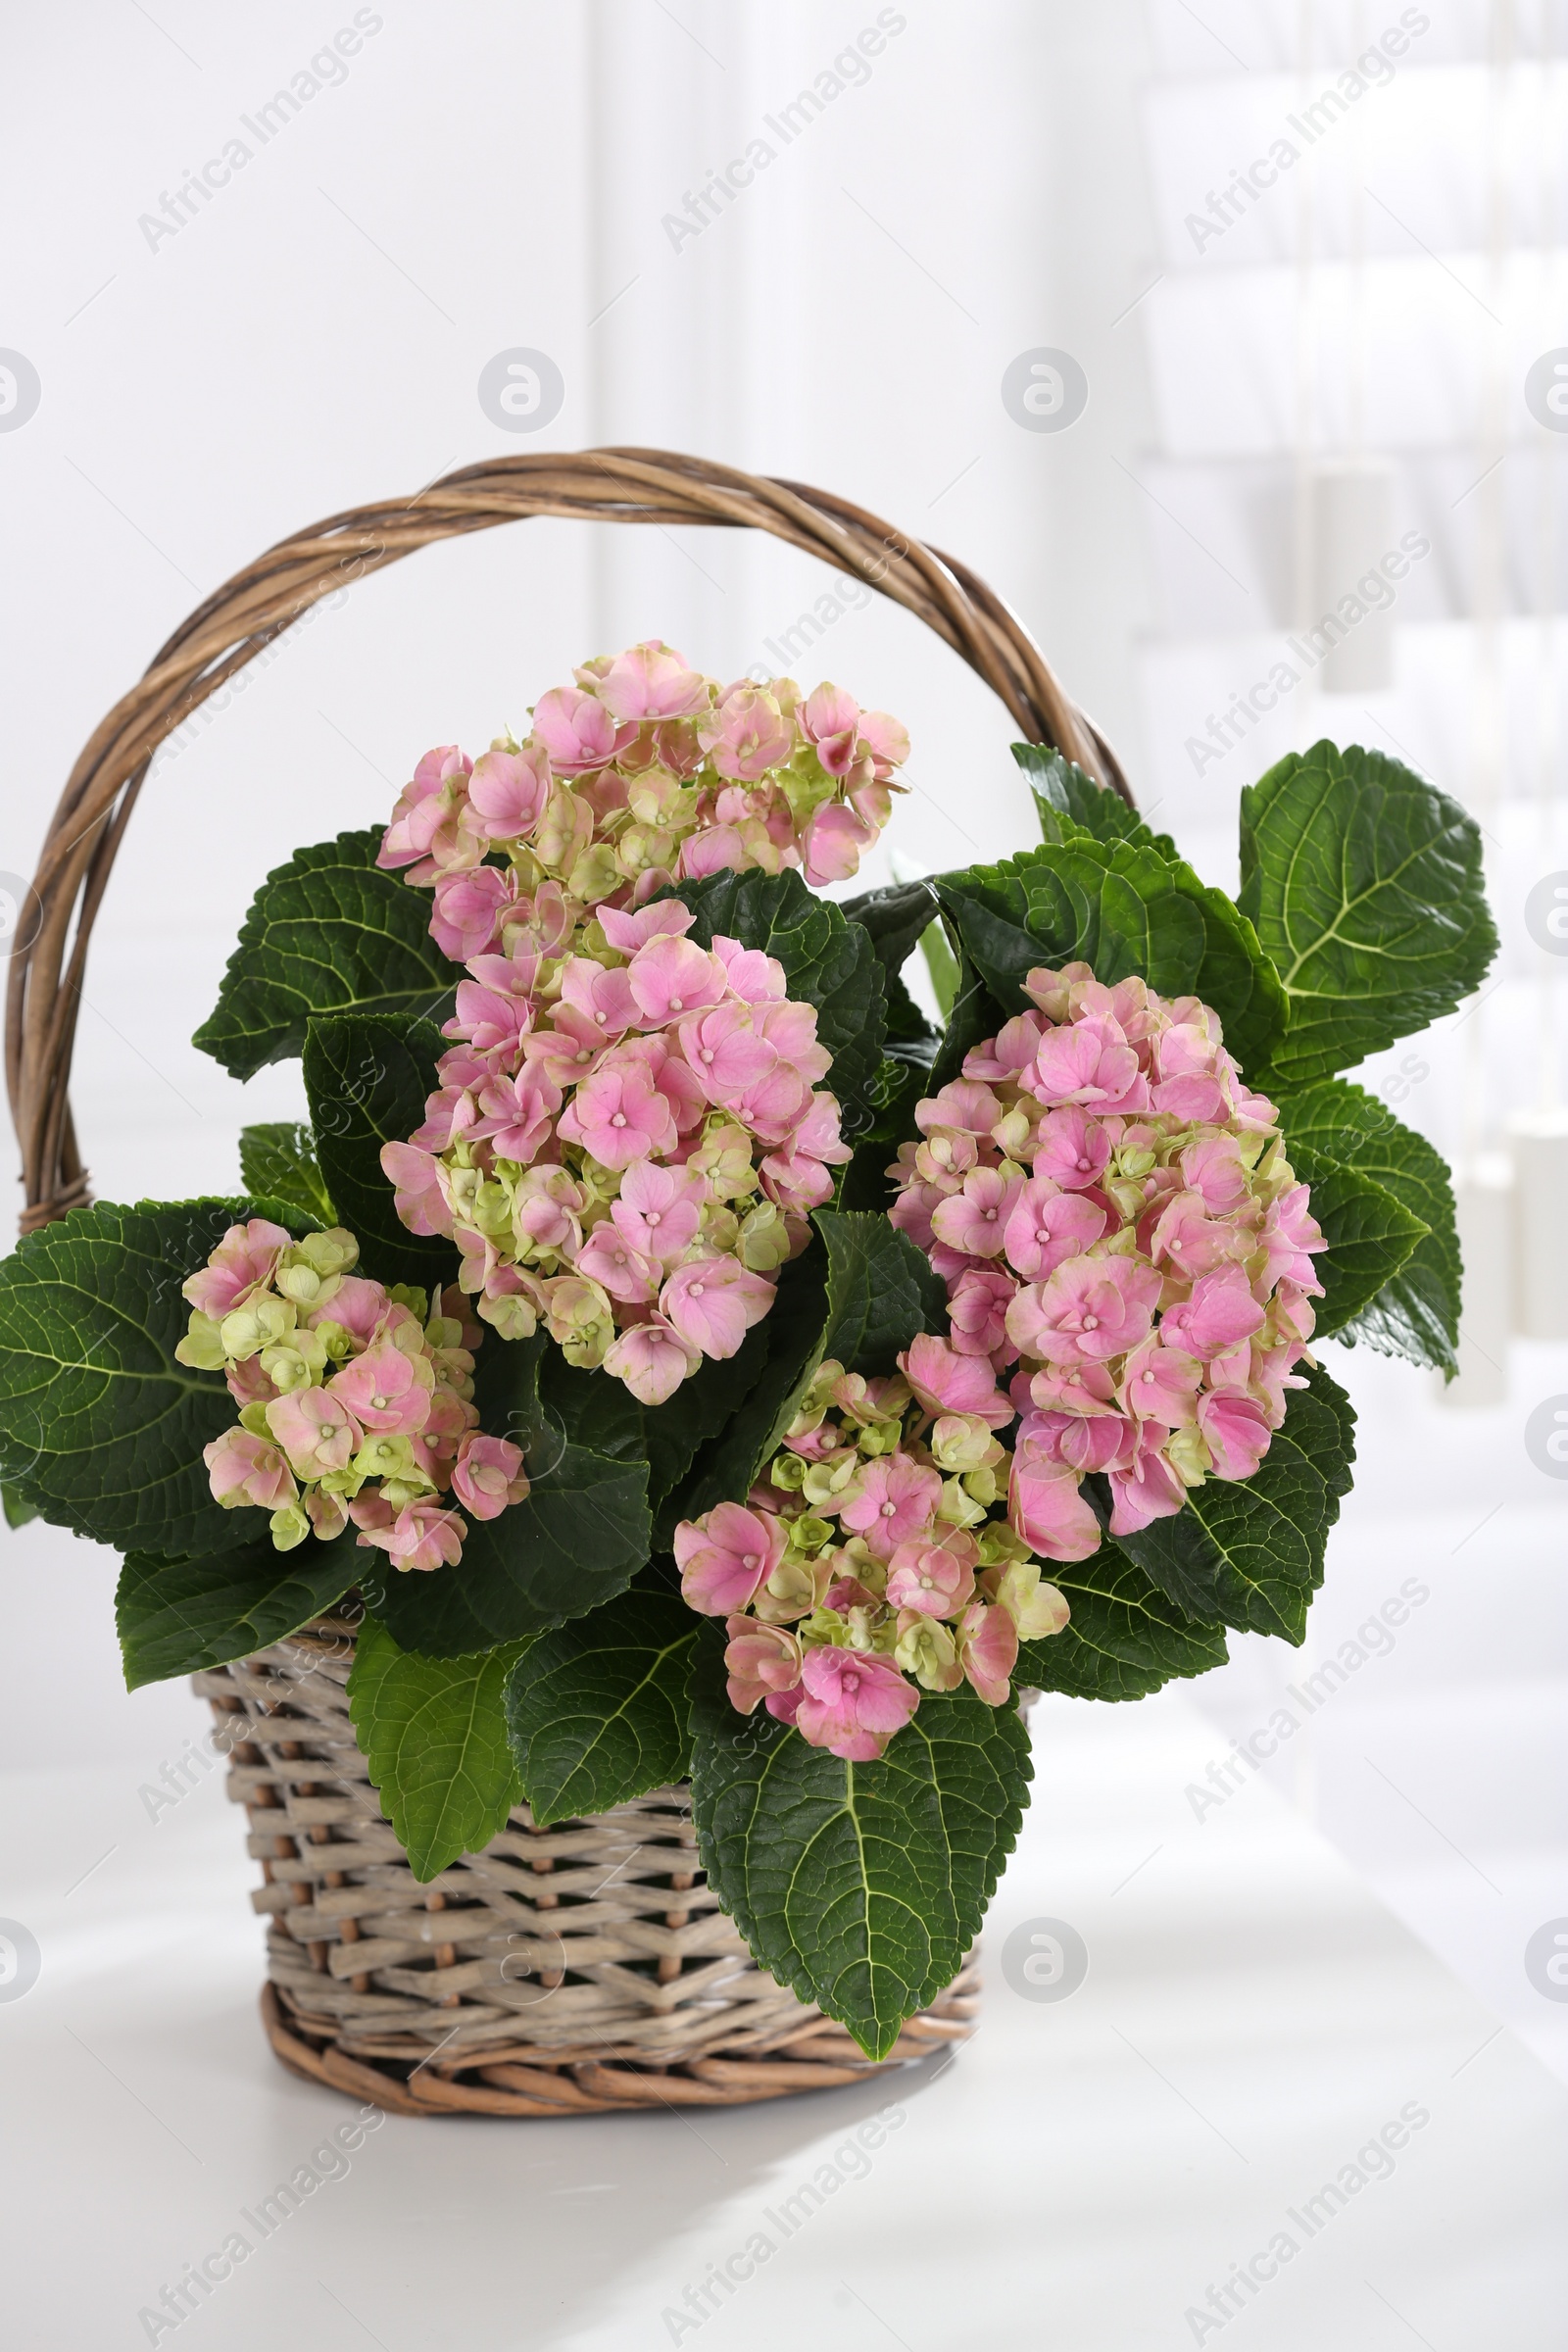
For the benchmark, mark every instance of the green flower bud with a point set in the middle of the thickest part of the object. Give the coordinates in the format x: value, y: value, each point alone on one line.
x: 252, y: 1417
x: 999, y: 1545
x: 346, y: 1483
x: 825, y: 1627
x: 414, y: 1298
x: 788, y: 1472
x: 289, y: 1525
x: 809, y: 1535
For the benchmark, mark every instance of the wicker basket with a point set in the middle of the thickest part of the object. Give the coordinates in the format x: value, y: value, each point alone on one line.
x: 562, y: 1972
x: 587, y: 1966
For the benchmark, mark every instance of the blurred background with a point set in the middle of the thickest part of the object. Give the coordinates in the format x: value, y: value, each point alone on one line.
x: 1170, y: 320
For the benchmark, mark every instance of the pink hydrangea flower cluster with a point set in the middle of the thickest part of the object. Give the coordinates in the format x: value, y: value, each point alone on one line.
x: 874, y: 1559
x: 641, y: 773
x: 625, y: 1148
x: 355, y: 1400
x: 1121, y: 1234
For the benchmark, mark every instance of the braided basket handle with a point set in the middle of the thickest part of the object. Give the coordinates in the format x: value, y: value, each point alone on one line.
x: 602, y: 485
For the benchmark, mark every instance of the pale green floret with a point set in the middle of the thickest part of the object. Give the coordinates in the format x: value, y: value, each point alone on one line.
x: 1188, y: 1455
x: 346, y: 1483
x: 1037, y: 1609
x: 410, y: 1488
x: 299, y: 1362
x: 957, y: 1508
x: 875, y: 1628
x: 336, y: 1252
x: 765, y: 1239
x: 247, y: 1330
x: 719, y: 1227
x: 306, y: 1287
x: 826, y: 1480
x: 289, y: 1525
x: 998, y: 1544
x: 202, y: 1347
x: 879, y: 1437
x: 927, y: 1649
x: 384, y: 1456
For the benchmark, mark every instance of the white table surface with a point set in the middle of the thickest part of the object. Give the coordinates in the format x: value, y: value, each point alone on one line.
x: 1078, y: 2177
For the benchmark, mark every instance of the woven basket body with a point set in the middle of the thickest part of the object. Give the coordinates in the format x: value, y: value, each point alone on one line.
x: 562, y: 1972
x: 586, y: 1966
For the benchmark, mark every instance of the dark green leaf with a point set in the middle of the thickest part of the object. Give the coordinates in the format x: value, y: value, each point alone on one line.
x: 1123, y: 908
x: 1416, y: 1314
x: 598, y: 1711
x: 1124, y: 1638
x: 896, y: 917
x: 177, y: 1616
x: 576, y: 1540
x: 861, y: 1300
x: 367, y: 1076
x: 18, y: 1513
x: 827, y: 962
x: 435, y: 1735
x: 901, y: 1085
x: 326, y: 933
x: 1370, y: 1235
x: 974, y: 1015
x: 592, y: 1409
x: 862, y: 1886
x: 882, y: 1292
x: 100, y: 1429
x: 1250, y: 1551
x: 1365, y: 884
x: 702, y: 1407
x: 1062, y: 790
x: 724, y: 1470
x: 280, y: 1162
x: 942, y: 967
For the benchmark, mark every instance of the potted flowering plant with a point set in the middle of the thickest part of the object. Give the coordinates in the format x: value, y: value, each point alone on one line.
x: 702, y: 1367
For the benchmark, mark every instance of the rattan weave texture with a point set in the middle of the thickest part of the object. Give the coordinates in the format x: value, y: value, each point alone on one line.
x: 562, y: 1972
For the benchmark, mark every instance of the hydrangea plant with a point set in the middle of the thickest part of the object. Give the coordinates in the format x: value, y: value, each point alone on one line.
x: 699, y: 1366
